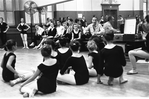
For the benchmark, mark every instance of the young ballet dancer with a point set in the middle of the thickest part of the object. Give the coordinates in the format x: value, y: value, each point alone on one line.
x: 80, y: 74
x: 46, y: 73
x: 9, y: 73
x: 23, y: 28
x: 64, y: 52
x: 95, y: 69
x: 112, y: 58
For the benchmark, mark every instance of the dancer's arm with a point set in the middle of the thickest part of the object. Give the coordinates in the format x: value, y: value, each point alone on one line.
x: 8, y: 65
x: 6, y: 28
x: 18, y: 27
x: 66, y: 66
x: 89, y: 62
x: 37, y: 73
x: 27, y: 27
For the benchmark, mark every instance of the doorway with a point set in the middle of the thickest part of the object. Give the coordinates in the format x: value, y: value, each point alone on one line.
x: 111, y: 9
x: 111, y: 12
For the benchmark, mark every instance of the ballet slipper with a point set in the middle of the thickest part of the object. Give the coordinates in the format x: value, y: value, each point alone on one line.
x: 131, y: 72
x: 25, y: 95
x: 99, y: 82
x: 27, y: 47
x: 123, y: 81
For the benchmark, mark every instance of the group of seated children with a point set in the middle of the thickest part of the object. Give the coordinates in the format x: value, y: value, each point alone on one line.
x: 66, y: 65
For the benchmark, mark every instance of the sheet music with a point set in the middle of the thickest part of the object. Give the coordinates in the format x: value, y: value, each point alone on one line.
x: 130, y: 26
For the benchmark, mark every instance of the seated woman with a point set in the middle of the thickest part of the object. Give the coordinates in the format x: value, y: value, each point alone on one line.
x: 46, y: 73
x: 52, y: 32
x: 80, y: 73
x: 38, y: 35
x: 60, y: 30
x: 112, y: 58
x: 141, y: 52
x: 93, y: 61
x: 76, y: 32
x: 9, y: 73
x: 64, y: 52
x: 44, y: 35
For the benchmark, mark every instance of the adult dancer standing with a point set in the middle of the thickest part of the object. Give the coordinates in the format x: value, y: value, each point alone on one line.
x: 3, y: 29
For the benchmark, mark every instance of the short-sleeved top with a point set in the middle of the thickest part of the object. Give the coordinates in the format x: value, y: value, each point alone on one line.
x: 78, y: 64
x: 60, y: 30
x: 8, y: 75
x: 76, y: 35
x: 47, y: 81
x: 3, y: 27
x: 112, y: 60
x: 94, y: 29
x: 22, y: 27
x: 63, y: 57
x: 107, y: 26
x: 39, y: 30
x: 96, y: 63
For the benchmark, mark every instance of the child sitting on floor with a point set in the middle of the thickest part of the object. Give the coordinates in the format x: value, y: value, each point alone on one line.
x: 46, y: 73
x: 9, y: 74
x: 76, y: 61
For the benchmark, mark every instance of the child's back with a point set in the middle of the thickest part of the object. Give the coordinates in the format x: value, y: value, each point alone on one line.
x: 47, y: 82
x: 6, y: 73
x: 113, y: 59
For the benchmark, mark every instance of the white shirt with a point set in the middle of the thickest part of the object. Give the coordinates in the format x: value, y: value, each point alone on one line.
x: 40, y: 30
x: 94, y: 30
x: 60, y: 30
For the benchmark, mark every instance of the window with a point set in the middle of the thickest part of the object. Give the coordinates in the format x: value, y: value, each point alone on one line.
x: 6, y: 11
x: 40, y: 17
x: 144, y: 8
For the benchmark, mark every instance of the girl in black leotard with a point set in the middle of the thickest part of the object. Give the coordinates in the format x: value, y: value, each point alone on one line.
x: 93, y: 61
x: 9, y: 74
x: 80, y: 74
x: 64, y: 52
x: 112, y: 59
x: 47, y: 73
x: 23, y: 27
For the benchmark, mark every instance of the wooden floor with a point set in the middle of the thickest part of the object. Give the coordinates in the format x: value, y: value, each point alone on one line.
x: 137, y: 86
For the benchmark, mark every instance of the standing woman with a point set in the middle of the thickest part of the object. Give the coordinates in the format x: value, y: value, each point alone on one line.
x: 3, y: 29
x: 23, y: 28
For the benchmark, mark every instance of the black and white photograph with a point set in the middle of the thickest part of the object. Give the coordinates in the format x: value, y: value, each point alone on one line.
x: 74, y: 48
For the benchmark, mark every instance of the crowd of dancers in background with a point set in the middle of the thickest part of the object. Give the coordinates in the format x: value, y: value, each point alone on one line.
x: 62, y: 61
